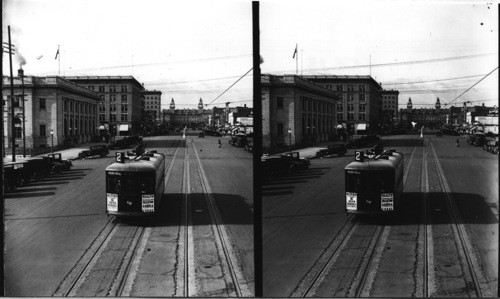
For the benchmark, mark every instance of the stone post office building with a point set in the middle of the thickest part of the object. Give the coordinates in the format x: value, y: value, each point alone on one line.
x: 51, y: 104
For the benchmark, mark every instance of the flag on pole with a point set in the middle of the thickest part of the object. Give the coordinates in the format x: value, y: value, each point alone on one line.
x: 57, y: 53
x: 295, y: 52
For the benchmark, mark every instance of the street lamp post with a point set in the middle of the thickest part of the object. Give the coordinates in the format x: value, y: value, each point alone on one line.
x: 290, y: 140
x: 52, y: 144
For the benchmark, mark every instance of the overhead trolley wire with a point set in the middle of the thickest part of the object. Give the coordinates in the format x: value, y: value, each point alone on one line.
x: 472, y: 86
x: 230, y: 86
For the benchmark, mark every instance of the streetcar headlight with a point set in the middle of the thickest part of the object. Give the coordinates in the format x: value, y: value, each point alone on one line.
x: 387, y: 201
x: 351, y: 201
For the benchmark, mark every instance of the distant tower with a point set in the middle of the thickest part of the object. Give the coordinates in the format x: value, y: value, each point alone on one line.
x: 172, y: 105
x: 438, y: 104
x: 200, y: 106
x: 409, y: 106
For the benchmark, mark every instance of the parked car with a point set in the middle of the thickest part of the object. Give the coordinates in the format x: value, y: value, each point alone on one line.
x: 476, y: 139
x: 296, y: 162
x: 249, y: 145
x: 337, y: 148
x: 15, y: 176
x: 274, y: 166
x: 66, y: 164
x: 95, y: 150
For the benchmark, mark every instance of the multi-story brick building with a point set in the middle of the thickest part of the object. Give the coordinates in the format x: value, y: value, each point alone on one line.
x: 122, y: 100
x: 390, y: 108
x: 52, y: 104
x: 152, y: 105
x: 295, y: 111
x: 360, y: 101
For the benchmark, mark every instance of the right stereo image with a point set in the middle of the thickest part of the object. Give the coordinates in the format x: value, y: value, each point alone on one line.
x: 379, y: 166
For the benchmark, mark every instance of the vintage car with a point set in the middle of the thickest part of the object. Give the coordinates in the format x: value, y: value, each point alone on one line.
x: 58, y: 160
x: 296, y: 162
x: 337, y: 148
x: 95, y: 150
x: 476, y: 139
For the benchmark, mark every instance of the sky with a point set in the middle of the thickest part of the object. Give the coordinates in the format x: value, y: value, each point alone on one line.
x: 186, y: 49
x: 423, y: 49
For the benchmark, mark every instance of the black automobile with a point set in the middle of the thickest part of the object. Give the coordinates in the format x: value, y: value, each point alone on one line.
x: 58, y: 160
x: 476, y: 139
x: 337, y: 148
x: 95, y: 150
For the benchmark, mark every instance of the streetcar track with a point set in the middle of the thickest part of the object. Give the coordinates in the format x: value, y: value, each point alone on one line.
x: 78, y: 274
x: 364, y: 277
x: 465, y: 248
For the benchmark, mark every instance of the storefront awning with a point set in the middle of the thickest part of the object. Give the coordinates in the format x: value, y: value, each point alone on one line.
x: 361, y: 126
x: 101, y: 127
x: 123, y: 127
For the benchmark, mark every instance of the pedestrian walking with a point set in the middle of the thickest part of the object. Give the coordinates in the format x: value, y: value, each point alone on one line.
x: 220, y: 144
x: 458, y: 143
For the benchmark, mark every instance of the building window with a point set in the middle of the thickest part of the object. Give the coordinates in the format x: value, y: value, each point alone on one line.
x: 362, y: 88
x: 102, y: 88
x: 91, y: 87
x: 18, y: 132
x: 350, y: 87
x: 124, y: 88
x: 124, y: 108
x: 102, y: 117
x: 112, y: 98
x: 362, y: 108
x: 340, y: 97
x: 280, y: 129
x: 42, y: 103
x: 124, y: 117
x: 340, y: 107
x: 362, y: 116
x: 339, y: 87
x: 350, y: 116
x: 362, y: 98
x: 112, y: 88
x: 112, y: 107
x: 340, y: 116
x: 124, y: 98
x: 350, y: 97
x: 279, y: 102
x: 112, y: 117
x: 350, y: 107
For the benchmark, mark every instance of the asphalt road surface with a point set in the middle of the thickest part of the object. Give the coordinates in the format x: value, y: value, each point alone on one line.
x: 60, y: 242
x: 443, y: 242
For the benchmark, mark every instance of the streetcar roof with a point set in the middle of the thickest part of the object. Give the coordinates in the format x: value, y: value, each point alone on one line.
x: 138, y: 165
x: 376, y: 164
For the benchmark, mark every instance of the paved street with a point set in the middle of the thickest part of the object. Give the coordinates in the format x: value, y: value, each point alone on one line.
x: 312, y: 248
x: 59, y: 241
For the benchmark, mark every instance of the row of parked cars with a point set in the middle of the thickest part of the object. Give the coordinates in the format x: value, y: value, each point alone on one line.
x: 22, y: 173
x: 242, y: 140
x: 489, y: 144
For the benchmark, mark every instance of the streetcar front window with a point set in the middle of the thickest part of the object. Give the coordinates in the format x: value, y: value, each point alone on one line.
x: 370, y: 182
x: 131, y: 183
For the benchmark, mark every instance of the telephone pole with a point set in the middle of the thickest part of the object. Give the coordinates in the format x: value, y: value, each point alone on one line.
x: 13, y: 138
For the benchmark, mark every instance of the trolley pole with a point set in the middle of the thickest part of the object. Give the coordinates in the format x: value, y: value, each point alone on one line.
x: 13, y: 138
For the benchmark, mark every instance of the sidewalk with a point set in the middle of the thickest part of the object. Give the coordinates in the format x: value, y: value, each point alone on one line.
x: 67, y: 154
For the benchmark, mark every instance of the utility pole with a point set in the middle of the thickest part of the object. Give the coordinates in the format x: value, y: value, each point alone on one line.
x: 20, y: 73
x: 13, y: 138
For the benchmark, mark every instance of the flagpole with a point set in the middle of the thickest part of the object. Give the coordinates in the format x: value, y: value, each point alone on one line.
x: 297, y: 63
x: 59, y: 59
